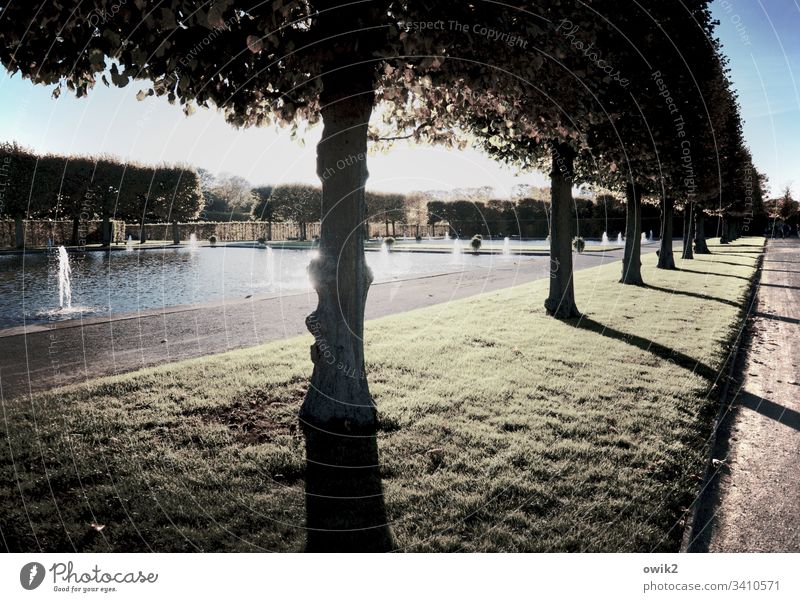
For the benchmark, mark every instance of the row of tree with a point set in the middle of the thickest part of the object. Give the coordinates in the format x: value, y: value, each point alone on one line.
x: 81, y: 189
x: 629, y: 96
x: 671, y: 135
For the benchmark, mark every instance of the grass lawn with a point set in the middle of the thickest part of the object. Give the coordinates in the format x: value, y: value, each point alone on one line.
x: 502, y: 428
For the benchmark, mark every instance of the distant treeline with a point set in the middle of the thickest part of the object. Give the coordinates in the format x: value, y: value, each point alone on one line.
x: 81, y: 189
x: 530, y: 218
x: 103, y: 188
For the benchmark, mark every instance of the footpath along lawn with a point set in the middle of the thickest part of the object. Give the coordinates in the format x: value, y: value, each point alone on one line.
x: 503, y: 429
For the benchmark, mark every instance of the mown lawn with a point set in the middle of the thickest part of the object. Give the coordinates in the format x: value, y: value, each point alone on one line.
x: 503, y: 429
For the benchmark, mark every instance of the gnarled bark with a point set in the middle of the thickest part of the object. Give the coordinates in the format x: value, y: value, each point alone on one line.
x: 688, y: 231
x: 632, y: 258
x: 344, y: 497
x: 666, y: 259
x: 560, y: 302
x: 700, y: 245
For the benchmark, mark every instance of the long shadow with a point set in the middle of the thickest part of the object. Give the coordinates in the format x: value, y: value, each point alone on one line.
x: 691, y: 294
x: 709, y: 497
x: 770, y: 409
x: 740, y: 265
x: 784, y: 271
x: 780, y: 261
x: 786, y: 319
x: 662, y: 351
x: 713, y: 274
x: 753, y: 255
x: 797, y: 288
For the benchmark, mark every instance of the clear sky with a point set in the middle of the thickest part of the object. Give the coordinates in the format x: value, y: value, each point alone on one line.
x: 760, y: 37
x: 762, y: 40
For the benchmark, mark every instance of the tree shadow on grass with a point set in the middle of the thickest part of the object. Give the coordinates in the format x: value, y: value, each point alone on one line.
x: 662, y: 351
x: 714, y: 274
x: 738, y: 265
x: 745, y: 255
x: 693, y: 295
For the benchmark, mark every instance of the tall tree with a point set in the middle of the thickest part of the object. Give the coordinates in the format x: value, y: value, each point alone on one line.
x: 180, y: 196
x: 264, y: 208
x: 385, y: 207
x: 232, y: 195
x: 17, y: 173
x: 298, y: 203
x: 107, y: 183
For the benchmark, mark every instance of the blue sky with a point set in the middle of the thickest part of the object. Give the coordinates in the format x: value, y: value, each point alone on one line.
x: 761, y: 38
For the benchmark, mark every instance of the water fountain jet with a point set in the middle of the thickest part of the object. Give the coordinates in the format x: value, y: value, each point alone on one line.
x: 458, y: 251
x: 64, y: 279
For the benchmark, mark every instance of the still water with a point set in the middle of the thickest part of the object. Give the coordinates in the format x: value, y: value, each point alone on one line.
x: 120, y: 281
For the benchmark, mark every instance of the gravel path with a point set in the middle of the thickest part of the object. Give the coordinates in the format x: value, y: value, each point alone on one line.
x: 758, y: 499
x: 39, y: 358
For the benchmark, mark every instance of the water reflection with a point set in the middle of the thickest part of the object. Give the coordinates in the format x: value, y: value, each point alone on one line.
x: 114, y: 282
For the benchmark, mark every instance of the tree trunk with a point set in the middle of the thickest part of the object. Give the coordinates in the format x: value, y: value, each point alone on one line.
x: 105, y: 231
x: 176, y: 233
x: 19, y: 232
x: 700, y: 245
x: 76, y: 224
x: 269, y: 230
x: 632, y: 258
x: 344, y: 496
x: 666, y: 259
x: 142, y: 235
x: 561, y: 301
x: 723, y: 238
x: 688, y: 231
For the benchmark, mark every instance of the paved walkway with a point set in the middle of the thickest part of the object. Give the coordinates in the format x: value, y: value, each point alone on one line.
x: 758, y: 508
x: 75, y: 351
